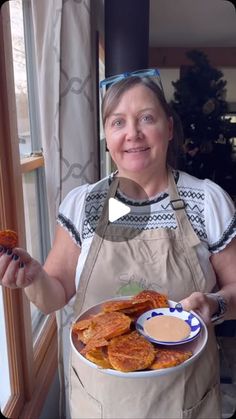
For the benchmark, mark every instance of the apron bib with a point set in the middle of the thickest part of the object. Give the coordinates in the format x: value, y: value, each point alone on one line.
x: 163, y: 260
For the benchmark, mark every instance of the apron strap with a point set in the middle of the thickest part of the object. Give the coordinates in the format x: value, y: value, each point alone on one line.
x: 178, y: 206
x: 94, y: 249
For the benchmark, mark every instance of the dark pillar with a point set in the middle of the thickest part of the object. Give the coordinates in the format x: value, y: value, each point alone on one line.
x: 126, y: 35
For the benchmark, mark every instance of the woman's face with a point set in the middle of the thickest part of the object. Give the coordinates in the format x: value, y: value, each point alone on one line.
x: 138, y: 132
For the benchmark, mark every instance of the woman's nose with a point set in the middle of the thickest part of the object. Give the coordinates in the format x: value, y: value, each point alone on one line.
x: 133, y: 131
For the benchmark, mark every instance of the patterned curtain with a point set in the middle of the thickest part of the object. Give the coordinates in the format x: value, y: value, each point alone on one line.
x: 66, y: 74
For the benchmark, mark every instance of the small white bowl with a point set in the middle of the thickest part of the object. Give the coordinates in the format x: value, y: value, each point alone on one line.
x: 187, y: 316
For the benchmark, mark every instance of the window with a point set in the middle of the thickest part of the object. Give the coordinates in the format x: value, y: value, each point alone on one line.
x: 20, y: 76
x: 29, y: 140
x: 31, y: 350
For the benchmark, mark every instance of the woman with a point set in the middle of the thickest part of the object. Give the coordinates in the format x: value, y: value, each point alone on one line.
x: 167, y: 255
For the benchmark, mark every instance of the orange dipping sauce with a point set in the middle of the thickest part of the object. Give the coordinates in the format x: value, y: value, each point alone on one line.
x: 167, y: 328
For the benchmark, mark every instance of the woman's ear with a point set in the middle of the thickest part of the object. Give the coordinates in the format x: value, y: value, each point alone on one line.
x: 107, y: 149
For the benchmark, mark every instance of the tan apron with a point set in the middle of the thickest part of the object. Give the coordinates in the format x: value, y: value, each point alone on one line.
x: 164, y: 260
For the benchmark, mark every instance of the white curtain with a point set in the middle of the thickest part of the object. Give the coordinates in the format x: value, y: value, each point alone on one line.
x: 65, y: 71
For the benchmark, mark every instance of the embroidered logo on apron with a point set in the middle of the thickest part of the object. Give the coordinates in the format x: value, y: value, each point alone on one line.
x: 131, y: 285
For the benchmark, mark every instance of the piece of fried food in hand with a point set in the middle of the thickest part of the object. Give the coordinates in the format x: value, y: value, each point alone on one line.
x: 156, y: 299
x: 130, y: 352
x: 166, y: 358
x: 8, y: 239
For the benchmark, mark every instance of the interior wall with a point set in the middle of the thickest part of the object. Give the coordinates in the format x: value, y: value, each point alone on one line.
x: 167, y: 76
x: 172, y: 74
x: 230, y: 76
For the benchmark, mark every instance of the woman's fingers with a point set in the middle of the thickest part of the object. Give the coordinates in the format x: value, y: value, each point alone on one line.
x: 12, y: 268
x: 21, y: 279
x: 5, y: 260
x: 193, y: 301
x: 23, y: 255
x: 10, y: 273
x: 202, y: 304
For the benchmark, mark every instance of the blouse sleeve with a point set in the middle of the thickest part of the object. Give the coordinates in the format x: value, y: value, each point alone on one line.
x: 71, y: 213
x: 220, y: 216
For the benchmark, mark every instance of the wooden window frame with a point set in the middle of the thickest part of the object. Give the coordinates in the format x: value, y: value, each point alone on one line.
x: 31, y: 369
x: 28, y: 164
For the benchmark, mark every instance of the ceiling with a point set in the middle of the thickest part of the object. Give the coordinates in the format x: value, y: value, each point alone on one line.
x: 192, y: 23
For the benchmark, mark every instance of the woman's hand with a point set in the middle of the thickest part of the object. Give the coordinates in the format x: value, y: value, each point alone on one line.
x: 203, y: 304
x: 50, y: 286
x: 17, y: 268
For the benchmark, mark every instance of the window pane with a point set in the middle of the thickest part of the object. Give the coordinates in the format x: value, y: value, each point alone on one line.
x: 38, y: 321
x: 19, y: 64
x: 5, y: 390
x: 31, y: 215
x: 33, y: 235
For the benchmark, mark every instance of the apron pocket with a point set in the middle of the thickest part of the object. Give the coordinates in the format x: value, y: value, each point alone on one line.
x: 208, y: 407
x: 82, y: 404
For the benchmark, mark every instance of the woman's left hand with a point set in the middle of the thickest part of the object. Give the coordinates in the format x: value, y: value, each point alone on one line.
x: 203, y: 304
x: 206, y: 305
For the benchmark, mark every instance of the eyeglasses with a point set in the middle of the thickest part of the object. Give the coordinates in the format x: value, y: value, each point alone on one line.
x: 151, y: 73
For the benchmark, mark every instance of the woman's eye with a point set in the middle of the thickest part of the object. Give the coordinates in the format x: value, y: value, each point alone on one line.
x: 147, y: 118
x: 117, y: 123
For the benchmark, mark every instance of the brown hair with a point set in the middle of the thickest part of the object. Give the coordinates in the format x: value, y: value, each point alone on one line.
x: 116, y: 91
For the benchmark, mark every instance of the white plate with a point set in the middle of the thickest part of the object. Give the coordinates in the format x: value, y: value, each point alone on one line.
x: 196, y: 346
x: 188, y: 317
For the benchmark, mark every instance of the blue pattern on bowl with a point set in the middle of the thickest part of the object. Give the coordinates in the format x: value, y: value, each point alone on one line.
x: 188, y: 317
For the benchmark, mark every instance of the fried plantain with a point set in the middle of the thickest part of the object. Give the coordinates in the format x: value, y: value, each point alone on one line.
x: 106, y: 325
x: 94, y: 344
x: 130, y: 352
x: 156, y: 299
x: 166, y: 358
x: 8, y: 239
x: 99, y: 357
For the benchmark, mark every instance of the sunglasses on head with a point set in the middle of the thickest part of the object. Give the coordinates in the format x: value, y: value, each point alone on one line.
x: 152, y: 73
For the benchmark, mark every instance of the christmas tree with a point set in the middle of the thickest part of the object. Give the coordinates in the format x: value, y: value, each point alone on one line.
x: 199, y: 100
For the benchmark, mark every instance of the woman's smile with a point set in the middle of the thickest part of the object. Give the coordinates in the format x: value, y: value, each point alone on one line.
x: 137, y: 150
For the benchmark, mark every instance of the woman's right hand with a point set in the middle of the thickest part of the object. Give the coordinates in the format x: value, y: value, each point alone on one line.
x: 17, y: 268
